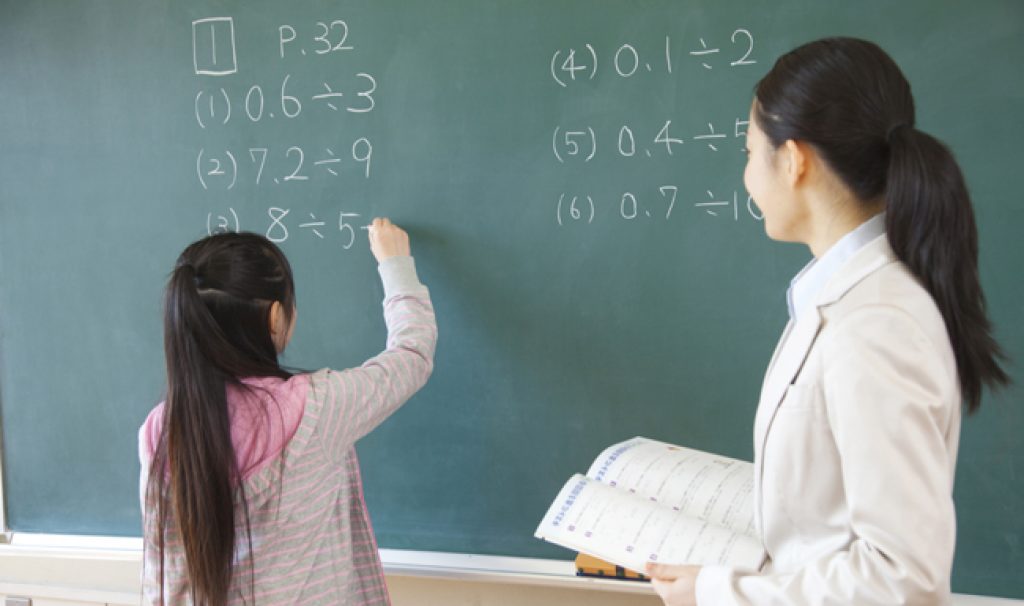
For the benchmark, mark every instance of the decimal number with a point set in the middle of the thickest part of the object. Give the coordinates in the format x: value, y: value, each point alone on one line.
x: 354, y: 95
x: 583, y: 208
x: 221, y: 170
x: 327, y: 37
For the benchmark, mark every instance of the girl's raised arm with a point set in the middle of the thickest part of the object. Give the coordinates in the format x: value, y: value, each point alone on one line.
x: 359, y: 399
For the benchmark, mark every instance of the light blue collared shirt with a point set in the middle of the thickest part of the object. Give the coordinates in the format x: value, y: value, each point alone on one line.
x: 804, y: 288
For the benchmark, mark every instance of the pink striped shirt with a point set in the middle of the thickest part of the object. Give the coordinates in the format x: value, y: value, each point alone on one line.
x: 312, y: 541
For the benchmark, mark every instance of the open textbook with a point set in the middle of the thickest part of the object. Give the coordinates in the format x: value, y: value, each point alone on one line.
x: 647, y: 501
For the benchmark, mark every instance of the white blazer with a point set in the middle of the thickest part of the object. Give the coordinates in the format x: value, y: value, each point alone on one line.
x: 855, y: 444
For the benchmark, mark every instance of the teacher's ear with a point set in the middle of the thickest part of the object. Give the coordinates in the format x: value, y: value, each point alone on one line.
x: 797, y: 157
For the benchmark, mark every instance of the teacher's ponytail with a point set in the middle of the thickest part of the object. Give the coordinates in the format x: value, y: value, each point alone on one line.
x: 931, y: 228
x: 849, y: 99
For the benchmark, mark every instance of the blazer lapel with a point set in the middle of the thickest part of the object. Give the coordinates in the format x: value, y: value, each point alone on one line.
x: 789, y: 358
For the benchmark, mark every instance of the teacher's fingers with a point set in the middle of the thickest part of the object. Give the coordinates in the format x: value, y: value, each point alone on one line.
x: 667, y: 572
x: 677, y: 585
x: 661, y: 587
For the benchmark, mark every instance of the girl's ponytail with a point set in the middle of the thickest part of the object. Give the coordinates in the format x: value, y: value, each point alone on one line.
x: 216, y: 332
x: 930, y: 226
x: 197, y: 430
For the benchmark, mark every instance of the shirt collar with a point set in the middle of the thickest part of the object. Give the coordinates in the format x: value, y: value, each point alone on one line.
x: 807, y: 284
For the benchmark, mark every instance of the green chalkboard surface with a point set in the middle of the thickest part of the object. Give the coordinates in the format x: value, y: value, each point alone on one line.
x: 571, y: 177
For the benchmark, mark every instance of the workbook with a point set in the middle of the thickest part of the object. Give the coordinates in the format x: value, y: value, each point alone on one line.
x: 648, y: 501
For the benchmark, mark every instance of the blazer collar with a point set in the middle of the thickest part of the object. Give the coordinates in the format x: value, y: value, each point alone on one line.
x: 863, y: 263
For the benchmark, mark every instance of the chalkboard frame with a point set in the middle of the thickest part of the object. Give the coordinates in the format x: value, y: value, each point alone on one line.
x: 962, y: 139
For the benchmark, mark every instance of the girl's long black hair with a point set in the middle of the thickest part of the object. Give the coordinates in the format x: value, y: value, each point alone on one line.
x: 216, y: 332
x: 849, y: 99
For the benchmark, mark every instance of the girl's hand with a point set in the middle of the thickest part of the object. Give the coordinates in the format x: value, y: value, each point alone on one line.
x: 675, y: 584
x: 388, y: 240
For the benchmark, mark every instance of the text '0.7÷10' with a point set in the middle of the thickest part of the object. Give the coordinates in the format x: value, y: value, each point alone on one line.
x: 658, y: 205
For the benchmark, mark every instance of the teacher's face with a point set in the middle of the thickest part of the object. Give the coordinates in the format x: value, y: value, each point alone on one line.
x: 765, y: 180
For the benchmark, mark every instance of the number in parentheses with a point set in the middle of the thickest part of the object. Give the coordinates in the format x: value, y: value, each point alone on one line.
x: 223, y: 223
x: 574, y: 213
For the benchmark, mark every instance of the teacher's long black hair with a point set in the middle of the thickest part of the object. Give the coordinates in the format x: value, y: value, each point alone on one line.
x: 849, y: 99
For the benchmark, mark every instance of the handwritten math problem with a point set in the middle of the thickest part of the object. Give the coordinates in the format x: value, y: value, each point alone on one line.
x: 226, y: 104
x: 307, y: 87
x: 581, y: 144
x: 674, y: 141
x: 583, y: 208
x: 572, y: 64
x: 280, y: 222
x: 222, y: 169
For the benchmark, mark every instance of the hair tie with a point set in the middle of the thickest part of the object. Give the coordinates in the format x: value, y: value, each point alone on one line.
x: 196, y: 278
x: 892, y: 130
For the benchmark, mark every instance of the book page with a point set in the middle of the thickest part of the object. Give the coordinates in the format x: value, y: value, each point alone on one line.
x: 629, y: 530
x: 707, y: 486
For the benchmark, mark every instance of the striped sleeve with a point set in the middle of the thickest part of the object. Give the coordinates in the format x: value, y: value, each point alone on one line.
x: 359, y: 399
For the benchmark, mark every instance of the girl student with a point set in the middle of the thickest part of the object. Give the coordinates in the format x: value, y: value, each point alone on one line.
x: 250, y: 486
x: 857, y: 428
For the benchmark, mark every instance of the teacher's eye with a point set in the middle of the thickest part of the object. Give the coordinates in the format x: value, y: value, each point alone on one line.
x: 746, y: 150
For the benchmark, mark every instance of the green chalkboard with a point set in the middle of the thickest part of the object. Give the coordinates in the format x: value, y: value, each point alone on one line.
x: 571, y: 177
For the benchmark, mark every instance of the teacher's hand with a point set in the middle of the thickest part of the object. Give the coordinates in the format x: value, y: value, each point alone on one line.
x: 675, y: 584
